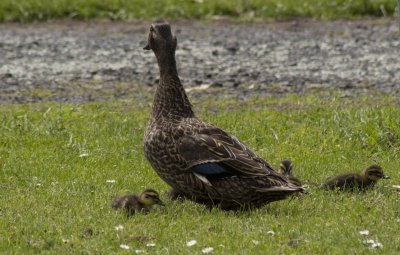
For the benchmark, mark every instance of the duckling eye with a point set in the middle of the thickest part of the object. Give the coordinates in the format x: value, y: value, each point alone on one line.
x: 151, y: 197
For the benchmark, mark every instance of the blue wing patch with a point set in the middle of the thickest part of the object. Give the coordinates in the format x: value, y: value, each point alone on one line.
x: 212, y: 170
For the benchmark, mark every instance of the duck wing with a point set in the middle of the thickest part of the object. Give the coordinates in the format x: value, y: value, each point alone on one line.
x: 213, y: 153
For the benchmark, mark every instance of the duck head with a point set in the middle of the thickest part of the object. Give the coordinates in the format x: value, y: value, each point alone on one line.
x: 150, y: 197
x: 374, y: 173
x: 285, y: 168
x: 161, y: 38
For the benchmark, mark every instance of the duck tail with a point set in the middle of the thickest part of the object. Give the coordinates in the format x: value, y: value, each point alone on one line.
x: 297, y: 188
x: 276, y: 193
x: 290, y: 188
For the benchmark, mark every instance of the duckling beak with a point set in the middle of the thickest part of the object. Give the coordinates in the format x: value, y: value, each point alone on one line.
x: 160, y: 203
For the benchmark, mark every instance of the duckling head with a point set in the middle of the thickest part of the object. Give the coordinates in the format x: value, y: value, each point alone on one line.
x: 285, y: 168
x: 160, y: 38
x: 150, y: 197
x: 374, y: 173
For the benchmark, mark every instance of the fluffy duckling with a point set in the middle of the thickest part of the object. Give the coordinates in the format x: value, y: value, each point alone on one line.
x: 285, y: 169
x: 137, y: 203
x: 354, y: 181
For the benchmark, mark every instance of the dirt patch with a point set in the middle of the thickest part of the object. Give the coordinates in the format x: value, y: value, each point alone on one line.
x: 83, y: 61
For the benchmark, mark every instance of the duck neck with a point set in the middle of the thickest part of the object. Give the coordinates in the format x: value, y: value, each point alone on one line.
x: 170, y: 98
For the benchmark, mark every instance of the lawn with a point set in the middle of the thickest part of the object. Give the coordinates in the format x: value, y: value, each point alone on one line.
x: 29, y: 10
x: 62, y: 164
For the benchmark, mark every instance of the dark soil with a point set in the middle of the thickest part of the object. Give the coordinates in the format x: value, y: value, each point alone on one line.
x: 73, y: 61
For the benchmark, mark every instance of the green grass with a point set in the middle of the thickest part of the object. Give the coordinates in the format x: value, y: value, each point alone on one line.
x: 28, y: 10
x: 50, y: 195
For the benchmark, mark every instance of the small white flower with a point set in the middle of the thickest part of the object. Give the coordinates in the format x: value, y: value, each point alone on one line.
x: 191, y: 243
x: 110, y: 181
x: 364, y: 232
x: 369, y: 241
x: 256, y: 242
x: 38, y: 184
x: 65, y: 240
x: 270, y: 232
x: 150, y: 244
x: 139, y: 251
x: 83, y: 155
x: 125, y: 246
x: 373, y: 244
x: 119, y: 227
x: 377, y: 245
x: 207, y: 250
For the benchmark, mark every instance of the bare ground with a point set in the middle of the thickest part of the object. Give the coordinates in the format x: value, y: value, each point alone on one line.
x: 72, y: 61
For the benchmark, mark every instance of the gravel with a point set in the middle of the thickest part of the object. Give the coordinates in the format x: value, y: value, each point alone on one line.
x: 72, y: 61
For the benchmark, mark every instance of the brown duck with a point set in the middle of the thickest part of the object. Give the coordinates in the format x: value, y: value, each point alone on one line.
x: 137, y: 203
x: 199, y: 160
x: 355, y: 181
x: 285, y: 168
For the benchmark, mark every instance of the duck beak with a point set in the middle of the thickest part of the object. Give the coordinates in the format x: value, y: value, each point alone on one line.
x: 386, y: 177
x: 147, y: 47
x: 160, y: 203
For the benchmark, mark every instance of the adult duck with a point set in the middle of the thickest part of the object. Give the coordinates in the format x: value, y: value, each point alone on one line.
x: 199, y: 160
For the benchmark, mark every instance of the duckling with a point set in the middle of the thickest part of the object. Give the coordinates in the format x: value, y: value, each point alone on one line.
x: 137, y: 203
x: 354, y: 181
x: 285, y: 169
